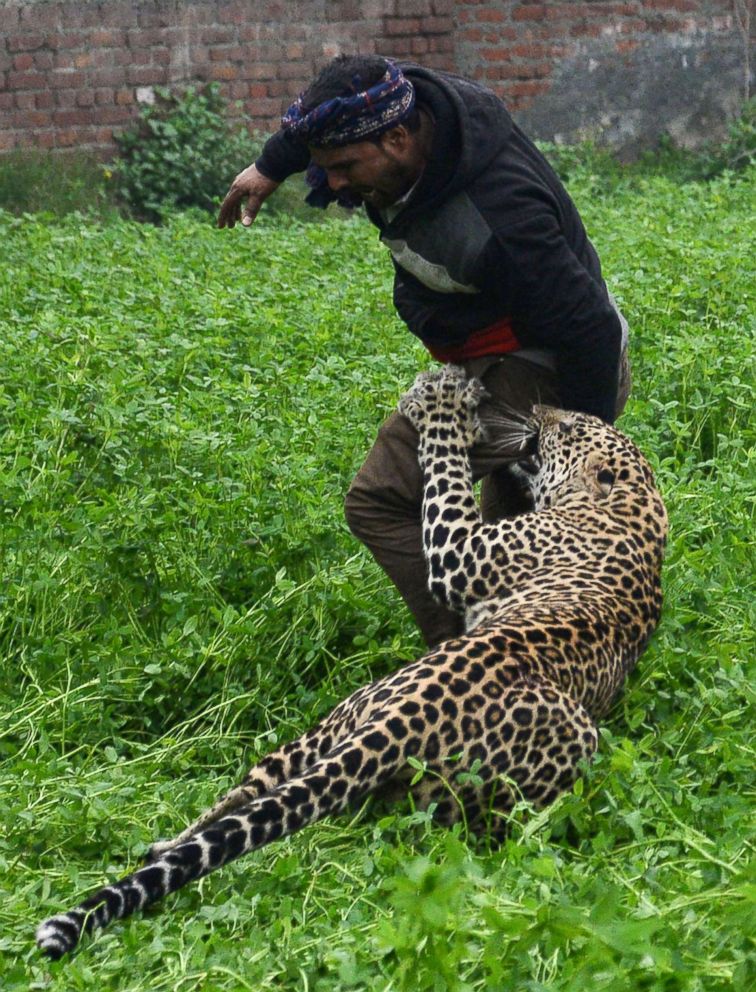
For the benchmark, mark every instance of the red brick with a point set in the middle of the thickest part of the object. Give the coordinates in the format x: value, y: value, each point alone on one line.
x: 420, y: 46
x: 65, y: 79
x: 496, y: 54
x: 69, y: 138
x: 65, y: 118
x: 222, y: 73
x: 23, y: 62
x: 112, y: 77
x: 223, y: 35
x: 529, y: 12
x: 44, y: 101
x: 401, y: 26
x: 106, y: 38
x: 441, y: 43
x: 616, y: 9
x: 32, y: 118
x: 124, y: 98
x: 279, y: 88
x: 114, y: 115
x: 65, y: 41
x: 25, y: 101
x: 412, y: 8
x: 66, y: 98
x: 267, y: 107
x: 489, y: 15
x: 503, y: 71
x: 292, y: 70
x: 25, y: 81
x: 443, y: 7
x: 104, y: 95
x: 397, y: 46
x: 258, y: 70
x: 41, y: 16
x: 436, y: 25
x: 227, y: 53
x: 257, y: 90
x: 25, y: 42
x: 43, y: 61
x: 144, y: 75
x: 539, y: 50
x: 585, y: 30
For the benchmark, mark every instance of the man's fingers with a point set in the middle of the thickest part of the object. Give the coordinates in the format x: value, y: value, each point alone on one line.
x: 230, y: 211
x: 252, y: 185
x: 250, y: 211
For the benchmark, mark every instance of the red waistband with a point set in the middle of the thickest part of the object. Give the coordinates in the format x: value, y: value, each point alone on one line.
x: 496, y: 339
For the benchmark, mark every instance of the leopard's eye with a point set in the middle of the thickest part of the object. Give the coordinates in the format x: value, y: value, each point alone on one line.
x: 565, y: 427
x: 530, y: 445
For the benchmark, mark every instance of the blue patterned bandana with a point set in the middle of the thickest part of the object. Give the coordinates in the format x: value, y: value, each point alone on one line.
x: 364, y: 114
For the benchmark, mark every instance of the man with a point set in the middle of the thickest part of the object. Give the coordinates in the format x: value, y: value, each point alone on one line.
x: 493, y: 270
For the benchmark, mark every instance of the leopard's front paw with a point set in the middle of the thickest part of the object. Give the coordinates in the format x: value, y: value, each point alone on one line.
x: 445, y: 398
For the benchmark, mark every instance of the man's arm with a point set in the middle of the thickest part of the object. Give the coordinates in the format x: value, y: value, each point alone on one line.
x: 557, y: 304
x: 281, y: 157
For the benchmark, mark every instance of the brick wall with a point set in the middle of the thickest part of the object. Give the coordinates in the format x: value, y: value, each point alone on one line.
x: 621, y: 72
x: 72, y: 73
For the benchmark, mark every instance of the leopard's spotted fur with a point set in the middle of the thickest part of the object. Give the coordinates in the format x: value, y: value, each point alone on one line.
x: 559, y: 604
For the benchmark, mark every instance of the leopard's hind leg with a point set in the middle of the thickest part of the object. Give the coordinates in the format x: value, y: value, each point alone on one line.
x: 346, y: 774
x: 275, y: 769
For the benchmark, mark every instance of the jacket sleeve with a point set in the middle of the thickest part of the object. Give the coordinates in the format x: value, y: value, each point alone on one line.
x: 283, y: 155
x: 557, y: 304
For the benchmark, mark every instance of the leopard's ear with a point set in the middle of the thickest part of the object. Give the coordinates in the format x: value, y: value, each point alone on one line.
x: 599, y: 477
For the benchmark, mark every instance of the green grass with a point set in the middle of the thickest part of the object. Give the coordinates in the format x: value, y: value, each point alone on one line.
x: 182, y: 410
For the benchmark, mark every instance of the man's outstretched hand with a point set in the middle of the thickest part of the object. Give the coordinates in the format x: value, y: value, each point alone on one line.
x: 252, y: 186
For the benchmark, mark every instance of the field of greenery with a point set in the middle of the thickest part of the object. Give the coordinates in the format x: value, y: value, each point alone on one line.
x: 181, y: 411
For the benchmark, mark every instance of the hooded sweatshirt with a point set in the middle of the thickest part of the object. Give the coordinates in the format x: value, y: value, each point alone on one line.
x: 490, y: 254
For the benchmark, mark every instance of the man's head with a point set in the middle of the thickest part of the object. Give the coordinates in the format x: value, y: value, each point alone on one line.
x: 362, y: 126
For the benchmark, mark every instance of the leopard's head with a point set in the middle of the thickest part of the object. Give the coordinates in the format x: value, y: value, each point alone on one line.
x: 564, y: 452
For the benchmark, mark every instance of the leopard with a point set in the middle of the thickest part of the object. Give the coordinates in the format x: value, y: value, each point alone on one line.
x: 558, y: 603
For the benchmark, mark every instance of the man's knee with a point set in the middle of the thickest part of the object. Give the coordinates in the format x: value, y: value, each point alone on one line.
x: 357, y: 505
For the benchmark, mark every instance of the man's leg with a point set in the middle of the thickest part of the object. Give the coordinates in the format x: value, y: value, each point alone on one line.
x: 384, y: 503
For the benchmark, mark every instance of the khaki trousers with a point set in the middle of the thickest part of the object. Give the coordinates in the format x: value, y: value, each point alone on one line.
x: 384, y: 504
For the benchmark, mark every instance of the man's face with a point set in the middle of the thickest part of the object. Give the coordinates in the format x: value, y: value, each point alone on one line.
x: 379, y: 172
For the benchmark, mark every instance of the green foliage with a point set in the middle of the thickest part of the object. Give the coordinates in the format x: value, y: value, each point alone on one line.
x: 182, y: 153
x: 33, y: 180
x: 586, y: 164
x: 182, y: 409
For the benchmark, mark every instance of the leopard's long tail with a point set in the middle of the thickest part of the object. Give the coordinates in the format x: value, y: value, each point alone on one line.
x: 345, y: 775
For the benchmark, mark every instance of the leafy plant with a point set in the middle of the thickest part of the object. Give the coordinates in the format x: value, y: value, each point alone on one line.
x: 181, y: 153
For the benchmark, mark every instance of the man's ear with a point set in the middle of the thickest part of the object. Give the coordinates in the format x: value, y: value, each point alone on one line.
x: 396, y: 138
x: 599, y: 478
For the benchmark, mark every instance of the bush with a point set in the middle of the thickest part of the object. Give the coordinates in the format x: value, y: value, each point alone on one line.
x: 181, y: 153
